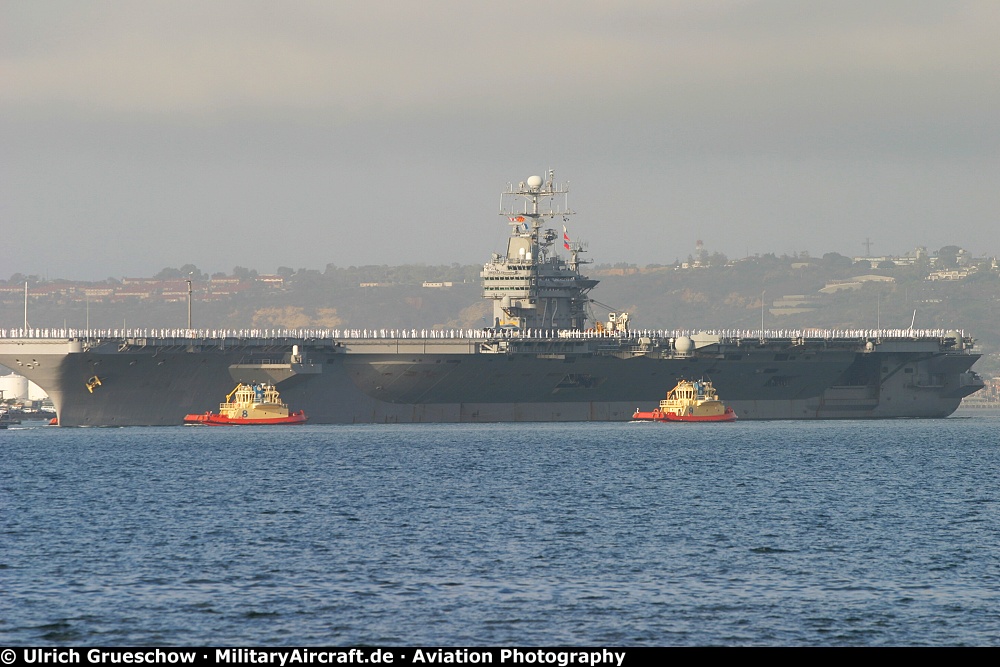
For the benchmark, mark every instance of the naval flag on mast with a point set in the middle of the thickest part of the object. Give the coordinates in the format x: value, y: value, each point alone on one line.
x: 565, y: 238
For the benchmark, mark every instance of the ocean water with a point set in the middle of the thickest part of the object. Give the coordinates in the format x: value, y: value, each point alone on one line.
x: 748, y: 534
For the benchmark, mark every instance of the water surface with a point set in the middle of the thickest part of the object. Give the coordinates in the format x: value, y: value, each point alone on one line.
x: 753, y: 533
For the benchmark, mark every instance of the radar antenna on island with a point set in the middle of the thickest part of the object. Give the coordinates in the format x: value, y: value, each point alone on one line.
x: 531, y: 286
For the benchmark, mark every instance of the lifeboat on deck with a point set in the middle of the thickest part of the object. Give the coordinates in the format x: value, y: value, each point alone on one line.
x: 689, y: 401
x: 250, y: 405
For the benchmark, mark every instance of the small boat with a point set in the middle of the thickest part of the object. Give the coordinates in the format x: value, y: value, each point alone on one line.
x: 6, y: 420
x: 689, y: 401
x: 250, y: 404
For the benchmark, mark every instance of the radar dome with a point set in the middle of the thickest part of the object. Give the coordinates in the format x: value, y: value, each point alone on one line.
x: 684, y: 344
x: 534, y: 181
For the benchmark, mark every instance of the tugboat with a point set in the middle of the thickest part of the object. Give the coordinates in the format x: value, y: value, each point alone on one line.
x: 250, y: 404
x: 689, y: 401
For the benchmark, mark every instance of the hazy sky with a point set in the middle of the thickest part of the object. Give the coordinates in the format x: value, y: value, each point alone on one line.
x: 140, y: 135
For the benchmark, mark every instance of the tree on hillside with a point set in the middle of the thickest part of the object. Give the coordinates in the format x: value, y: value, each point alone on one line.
x: 186, y: 272
x: 190, y: 271
x: 835, y: 259
x: 948, y: 256
x: 244, y: 273
x: 168, y: 273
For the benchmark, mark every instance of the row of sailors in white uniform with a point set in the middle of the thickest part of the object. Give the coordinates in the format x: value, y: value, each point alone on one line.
x: 725, y: 334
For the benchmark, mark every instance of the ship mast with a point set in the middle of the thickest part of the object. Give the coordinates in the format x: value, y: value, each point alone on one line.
x: 526, y: 211
x: 531, y: 286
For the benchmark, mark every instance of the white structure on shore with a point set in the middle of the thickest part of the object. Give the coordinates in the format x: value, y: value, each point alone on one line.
x: 20, y: 388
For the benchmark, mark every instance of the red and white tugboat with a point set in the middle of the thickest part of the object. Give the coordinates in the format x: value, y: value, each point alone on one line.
x: 689, y: 401
x: 250, y: 404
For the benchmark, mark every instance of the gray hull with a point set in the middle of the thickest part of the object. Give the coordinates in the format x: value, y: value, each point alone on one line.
x: 159, y: 381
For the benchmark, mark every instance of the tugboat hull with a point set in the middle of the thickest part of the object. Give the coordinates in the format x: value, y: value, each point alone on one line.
x: 656, y: 416
x: 210, y: 419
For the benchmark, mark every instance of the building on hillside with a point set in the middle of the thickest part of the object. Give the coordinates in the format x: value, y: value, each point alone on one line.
x: 273, y: 281
x: 951, y: 274
x: 793, y: 304
x: 854, y: 283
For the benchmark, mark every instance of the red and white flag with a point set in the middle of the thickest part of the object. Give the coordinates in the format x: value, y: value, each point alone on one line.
x: 565, y: 238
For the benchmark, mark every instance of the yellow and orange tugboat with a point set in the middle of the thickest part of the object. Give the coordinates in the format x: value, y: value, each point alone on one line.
x: 689, y: 401
x: 250, y: 404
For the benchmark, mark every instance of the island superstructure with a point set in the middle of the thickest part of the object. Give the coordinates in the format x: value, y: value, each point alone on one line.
x: 539, y: 359
x: 531, y: 286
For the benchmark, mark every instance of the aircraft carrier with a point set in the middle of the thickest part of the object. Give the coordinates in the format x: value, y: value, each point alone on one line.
x: 540, y: 360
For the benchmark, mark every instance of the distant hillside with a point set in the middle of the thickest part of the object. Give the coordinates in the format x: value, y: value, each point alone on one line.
x: 832, y: 292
